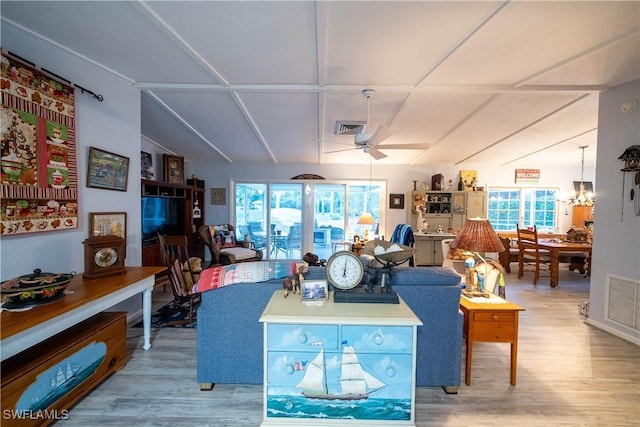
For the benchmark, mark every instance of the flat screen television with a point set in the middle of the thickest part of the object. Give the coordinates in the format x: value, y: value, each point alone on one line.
x: 161, y: 215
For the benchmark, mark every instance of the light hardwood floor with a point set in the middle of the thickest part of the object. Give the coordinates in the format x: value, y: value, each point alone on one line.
x: 569, y: 374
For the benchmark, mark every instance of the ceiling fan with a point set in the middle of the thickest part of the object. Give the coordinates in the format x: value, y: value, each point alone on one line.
x: 370, y: 142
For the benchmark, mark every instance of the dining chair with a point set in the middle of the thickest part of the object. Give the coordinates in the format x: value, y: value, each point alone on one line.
x: 289, y: 243
x: 182, y: 275
x: 337, y: 239
x: 530, y: 254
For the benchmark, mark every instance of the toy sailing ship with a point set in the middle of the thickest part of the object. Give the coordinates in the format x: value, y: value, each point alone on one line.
x: 355, y: 382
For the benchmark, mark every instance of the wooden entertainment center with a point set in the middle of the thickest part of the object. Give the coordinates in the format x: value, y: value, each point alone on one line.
x: 189, y: 226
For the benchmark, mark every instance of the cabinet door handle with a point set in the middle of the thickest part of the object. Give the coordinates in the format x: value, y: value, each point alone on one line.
x: 495, y: 317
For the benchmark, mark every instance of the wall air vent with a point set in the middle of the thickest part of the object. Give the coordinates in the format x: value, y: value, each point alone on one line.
x: 623, y: 301
x: 349, y: 127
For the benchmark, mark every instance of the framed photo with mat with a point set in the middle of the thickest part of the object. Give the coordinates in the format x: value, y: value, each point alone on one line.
x: 396, y: 201
x: 314, y: 290
x: 173, y: 169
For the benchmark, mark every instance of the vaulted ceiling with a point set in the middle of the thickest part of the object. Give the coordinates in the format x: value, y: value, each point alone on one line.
x: 241, y: 81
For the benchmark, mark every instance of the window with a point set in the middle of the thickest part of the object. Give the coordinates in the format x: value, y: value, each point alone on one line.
x: 510, y: 207
x: 274, y: 214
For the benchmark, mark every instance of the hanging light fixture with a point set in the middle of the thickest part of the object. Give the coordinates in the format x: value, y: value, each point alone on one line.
x: 365, y: 217
x: 583, y: 197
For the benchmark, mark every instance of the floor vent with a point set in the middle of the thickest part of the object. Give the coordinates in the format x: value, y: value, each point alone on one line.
x: 623, y: 301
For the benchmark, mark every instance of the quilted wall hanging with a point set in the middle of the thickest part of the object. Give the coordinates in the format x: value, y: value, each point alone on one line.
x: 39, y: 185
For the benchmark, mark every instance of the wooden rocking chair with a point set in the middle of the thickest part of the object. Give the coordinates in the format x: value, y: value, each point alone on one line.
x: 175, y: 256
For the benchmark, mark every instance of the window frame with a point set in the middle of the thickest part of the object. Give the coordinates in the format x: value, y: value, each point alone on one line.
x: 528, y: 209
x: 309, y: 203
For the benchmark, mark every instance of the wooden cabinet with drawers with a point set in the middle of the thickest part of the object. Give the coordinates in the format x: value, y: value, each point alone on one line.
x: 353, y: 364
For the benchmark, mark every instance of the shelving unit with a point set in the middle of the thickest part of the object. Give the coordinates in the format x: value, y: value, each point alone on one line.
x: 151, y: 253
x: 446, y: 209
x: 582, y: 214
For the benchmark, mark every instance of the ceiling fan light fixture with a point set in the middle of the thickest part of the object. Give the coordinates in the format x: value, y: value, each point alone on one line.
x: 362, y: 138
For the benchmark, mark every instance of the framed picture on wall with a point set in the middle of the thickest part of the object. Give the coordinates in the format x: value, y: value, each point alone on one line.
x: 173, y: 169
x: 396, y: 201
x: 107, y: 170
x: 108, y: 223
x: 146, y: 165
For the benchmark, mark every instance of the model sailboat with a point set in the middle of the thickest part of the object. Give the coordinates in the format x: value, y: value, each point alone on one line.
x: 355, y: 382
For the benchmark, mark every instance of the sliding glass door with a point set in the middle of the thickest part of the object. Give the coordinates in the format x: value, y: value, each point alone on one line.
x: 286, y: 220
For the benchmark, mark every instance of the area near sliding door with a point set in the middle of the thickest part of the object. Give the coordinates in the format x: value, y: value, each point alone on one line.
x: 286, y: 220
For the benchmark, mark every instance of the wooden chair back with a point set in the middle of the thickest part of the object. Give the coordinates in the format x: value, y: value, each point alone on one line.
x: 174, y: 251
x: 530, y: 253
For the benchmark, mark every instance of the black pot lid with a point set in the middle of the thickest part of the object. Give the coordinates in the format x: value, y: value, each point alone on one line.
x: 36, y: 280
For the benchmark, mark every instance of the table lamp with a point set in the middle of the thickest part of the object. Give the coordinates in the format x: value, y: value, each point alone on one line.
x: 477, y: 235
x: 366, y: 219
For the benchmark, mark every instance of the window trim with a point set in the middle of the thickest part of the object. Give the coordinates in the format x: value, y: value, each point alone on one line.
x: 521, y: 206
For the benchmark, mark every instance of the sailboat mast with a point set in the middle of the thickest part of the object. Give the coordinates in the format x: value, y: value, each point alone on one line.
x: 324, y: 371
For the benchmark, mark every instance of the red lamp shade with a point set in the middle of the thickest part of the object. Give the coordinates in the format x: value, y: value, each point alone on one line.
x: 478, y: 235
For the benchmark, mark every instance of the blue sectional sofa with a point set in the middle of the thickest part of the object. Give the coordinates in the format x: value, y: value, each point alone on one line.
x: 229, y: 337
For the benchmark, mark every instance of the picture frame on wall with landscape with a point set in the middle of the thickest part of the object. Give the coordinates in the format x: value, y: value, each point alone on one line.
x: 108, y: 224
x: 107, y: 170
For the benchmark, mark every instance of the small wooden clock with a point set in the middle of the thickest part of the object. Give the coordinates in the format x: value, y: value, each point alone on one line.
x: 103, y: 256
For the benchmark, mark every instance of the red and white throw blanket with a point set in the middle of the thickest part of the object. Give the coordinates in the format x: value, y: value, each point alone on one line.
x: 246, y: 272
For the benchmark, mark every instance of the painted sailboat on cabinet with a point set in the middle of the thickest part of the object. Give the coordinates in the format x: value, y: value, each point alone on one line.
x: 355, y: 383
x: 360, y: 373
x: 53, y: 384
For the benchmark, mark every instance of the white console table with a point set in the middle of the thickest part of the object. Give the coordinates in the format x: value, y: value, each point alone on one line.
x: 338, y: 364
x: 21, y: 330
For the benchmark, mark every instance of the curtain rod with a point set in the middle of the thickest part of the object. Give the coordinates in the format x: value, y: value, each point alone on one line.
x: 99, y: 97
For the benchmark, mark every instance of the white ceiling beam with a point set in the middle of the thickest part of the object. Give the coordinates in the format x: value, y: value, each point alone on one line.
x: 501, y: 140
x: 311, y: 88
x: 461, y: 43
x: 550, y: 146
x: 146, y: 11
x: 579, y: 55
x: 322, y: 37
x: 252, y: 123
x: 186, y: 124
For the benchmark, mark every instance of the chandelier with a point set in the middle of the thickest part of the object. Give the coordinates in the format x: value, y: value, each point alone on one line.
x: 583, y: 197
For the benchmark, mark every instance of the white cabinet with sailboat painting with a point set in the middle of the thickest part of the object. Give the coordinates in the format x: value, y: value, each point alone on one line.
x: 352, y: 363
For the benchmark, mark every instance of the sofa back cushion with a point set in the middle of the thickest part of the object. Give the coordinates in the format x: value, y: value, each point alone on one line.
x: 424, y: 276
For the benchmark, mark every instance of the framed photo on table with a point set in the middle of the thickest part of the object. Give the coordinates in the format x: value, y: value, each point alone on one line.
x: 314, y: 290
x: 173, y: 169
x: 107, y: 170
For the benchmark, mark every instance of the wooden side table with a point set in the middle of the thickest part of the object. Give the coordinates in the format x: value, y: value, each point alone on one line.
x: 490, y: 322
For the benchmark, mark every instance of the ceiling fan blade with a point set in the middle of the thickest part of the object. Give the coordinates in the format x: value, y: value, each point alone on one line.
x: 423, y: 146
x: 340, y: 151
x: 380, y: 135
x: 376, y: 154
